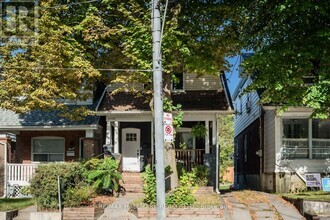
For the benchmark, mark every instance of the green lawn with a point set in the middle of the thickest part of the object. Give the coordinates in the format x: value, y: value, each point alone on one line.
x: 10, y: 204
x: 310, y: 195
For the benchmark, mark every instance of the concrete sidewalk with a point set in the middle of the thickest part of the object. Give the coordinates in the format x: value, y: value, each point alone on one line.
x: 273, y: 208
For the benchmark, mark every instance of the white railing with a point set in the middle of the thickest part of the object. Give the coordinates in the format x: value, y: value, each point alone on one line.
x: 20, y: 172
x: 321, y: 148
x: 295, y: 148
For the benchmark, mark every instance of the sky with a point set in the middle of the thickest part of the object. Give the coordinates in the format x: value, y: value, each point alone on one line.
x: 232, y: 75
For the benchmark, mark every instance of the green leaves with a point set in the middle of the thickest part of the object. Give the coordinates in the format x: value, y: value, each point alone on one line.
x: 104, y: 174
x: 290, y: 40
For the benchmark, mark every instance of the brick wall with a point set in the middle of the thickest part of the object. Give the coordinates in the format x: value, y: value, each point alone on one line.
x: 23, y: 145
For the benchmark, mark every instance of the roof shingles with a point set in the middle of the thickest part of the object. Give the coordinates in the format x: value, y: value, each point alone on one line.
x: 190, y: 100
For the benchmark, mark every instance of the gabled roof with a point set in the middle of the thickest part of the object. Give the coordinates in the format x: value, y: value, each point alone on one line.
x: 38, y: 118
x: 211, y: 100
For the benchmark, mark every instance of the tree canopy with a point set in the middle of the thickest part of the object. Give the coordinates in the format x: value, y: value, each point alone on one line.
x: 290, y: 41
x: 75, y: 41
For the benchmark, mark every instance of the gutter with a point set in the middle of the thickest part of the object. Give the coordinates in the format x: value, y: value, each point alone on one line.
x: 217, y: 151
x: 226, y: 90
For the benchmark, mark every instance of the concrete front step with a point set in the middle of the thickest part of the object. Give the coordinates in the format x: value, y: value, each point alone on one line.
x: 132, y: 182
x: 137, y: 188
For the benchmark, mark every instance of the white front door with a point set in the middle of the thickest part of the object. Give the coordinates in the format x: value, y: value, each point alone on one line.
x: 131, y: 149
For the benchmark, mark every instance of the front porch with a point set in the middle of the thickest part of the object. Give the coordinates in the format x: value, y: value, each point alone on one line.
x: 131, y: 134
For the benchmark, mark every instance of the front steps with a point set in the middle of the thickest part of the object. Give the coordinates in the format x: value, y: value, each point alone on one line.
x: 133, y: 182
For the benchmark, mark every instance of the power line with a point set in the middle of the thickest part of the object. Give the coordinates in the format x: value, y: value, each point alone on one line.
x: 69, y: 68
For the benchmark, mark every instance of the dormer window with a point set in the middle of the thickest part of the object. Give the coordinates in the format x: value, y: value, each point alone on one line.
x: 177, y: 81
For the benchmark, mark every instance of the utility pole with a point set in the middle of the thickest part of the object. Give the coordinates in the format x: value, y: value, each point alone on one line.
x: 158, y: 109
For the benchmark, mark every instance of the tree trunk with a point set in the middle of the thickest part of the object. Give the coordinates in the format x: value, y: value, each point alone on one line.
x: 169, y: 147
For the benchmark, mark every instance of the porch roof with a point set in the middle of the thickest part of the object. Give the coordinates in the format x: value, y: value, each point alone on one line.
x: 211, y: 100
x: 38, y: 118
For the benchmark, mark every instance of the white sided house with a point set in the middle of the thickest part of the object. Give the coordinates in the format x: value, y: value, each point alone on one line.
x: 273, y: 152
x: 130, y: 125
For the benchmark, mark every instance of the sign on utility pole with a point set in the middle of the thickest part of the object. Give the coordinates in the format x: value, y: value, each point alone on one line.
x: 168, y: 128
x: 158, y: 109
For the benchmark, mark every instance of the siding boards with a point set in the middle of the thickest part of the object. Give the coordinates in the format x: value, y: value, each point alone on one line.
x: 243, y: 119
x: 205, y: 82
x: 252, y: 164
x: 269, y: 141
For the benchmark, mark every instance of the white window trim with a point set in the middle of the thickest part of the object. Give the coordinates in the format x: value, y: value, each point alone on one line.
x: 45, y: 137
x: 309, y: 137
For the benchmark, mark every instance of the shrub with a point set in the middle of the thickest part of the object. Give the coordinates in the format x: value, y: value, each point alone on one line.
x: 104, y: 175
x: 79, y: 195
x: 44, y: 186
x: 201, y: 175
x: 149, y: 186
x: 183, y: 195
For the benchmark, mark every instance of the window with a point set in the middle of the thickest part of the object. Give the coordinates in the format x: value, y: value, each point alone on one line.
x: 306, y: 139
x: 131, y: 137
x: 50, y: 149
x: 248, y: 104
x: 245, y: 143
x: 178, y: 81
x: 321, y: 139
x: 295, y: 138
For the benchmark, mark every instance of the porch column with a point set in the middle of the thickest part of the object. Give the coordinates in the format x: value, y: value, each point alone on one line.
x: 116, y: 144
x: 152, y: 143
x: 207, y: 138
x: 214, y: 133
x: 108, y: 139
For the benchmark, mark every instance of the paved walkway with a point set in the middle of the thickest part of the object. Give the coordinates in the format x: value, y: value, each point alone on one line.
x: 273, y: 209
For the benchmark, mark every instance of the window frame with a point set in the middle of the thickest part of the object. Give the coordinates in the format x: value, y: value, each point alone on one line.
x: 309, y: 139
x: 46, y: 138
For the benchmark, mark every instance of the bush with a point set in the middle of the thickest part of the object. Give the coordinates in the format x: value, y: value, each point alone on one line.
x: 183, y: 195
x: 149, y: 186
x: 79, y: 195
x: 104, y: 175
x: 44, y: 186
x: 201, y: 175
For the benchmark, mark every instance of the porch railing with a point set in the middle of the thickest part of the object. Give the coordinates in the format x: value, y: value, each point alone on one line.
x: 189, y: 158
x: 20, y: 172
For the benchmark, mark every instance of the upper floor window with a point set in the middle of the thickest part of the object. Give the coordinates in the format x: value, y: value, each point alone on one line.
x: 306, y: 139
x: 178, y: 81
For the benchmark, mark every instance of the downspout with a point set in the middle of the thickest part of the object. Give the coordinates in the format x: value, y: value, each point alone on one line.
x: 5, y: 172
x: 261, y: 146
x: 217, y: 151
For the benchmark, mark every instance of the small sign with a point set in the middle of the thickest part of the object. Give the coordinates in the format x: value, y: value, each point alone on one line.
x: 168, y: 133
x: 313, y: 180
x: 70, y: 153
x: 168, y: 119
x: 326, y: 184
